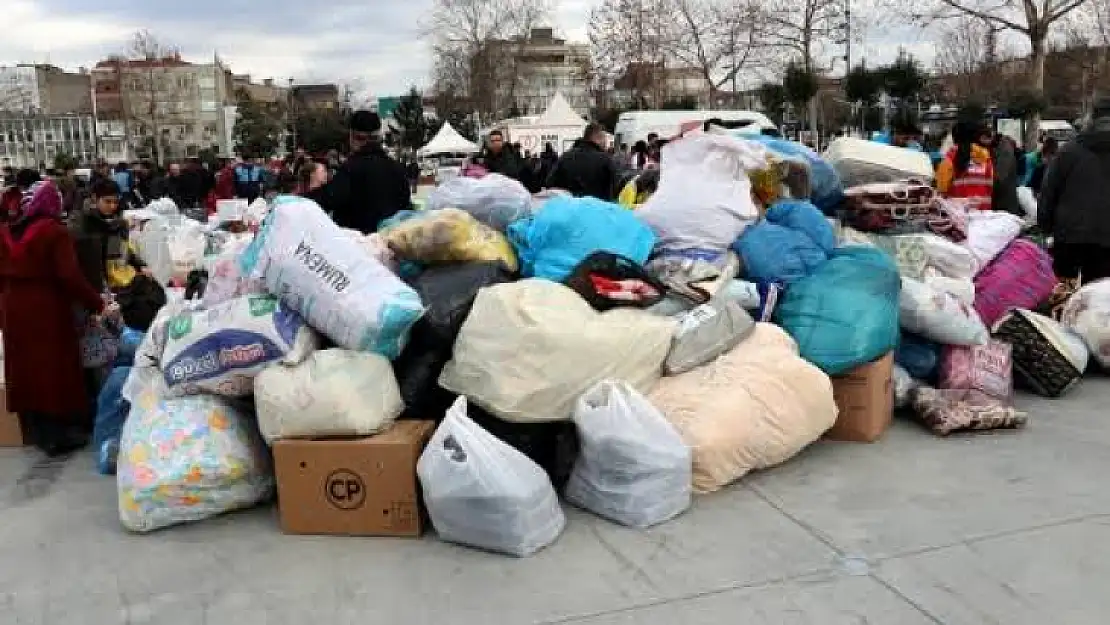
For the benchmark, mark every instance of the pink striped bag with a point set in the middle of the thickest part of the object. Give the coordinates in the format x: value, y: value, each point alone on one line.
x: 1021, y: 277
x: 987, y: 369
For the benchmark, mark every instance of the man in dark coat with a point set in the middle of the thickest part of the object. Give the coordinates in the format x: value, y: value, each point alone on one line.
x: 499, y: 158
x: 1008, y: 165
x: 586, y: 169
x: 369, y: 187
x: 1075, y: 202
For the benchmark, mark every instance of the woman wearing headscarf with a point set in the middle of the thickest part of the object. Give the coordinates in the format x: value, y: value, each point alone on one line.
x: 41, y: 286
x: 967, y: 171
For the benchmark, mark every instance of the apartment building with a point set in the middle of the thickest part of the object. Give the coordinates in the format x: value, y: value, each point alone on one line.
x: 520, y: 76
x: 45, y: 112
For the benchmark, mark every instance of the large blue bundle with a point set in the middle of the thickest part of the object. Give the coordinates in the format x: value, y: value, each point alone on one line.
x: 775, y: 253
x: 554, y: 240
x: 846, y: 313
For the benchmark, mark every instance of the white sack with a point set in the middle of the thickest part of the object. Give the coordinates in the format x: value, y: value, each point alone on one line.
x: 483, y: 493
x: 938, y: 316
x: 529, y: 349
x: 950, y: 259
x: 225, y: 278
x: 220, y: 350
x: 171, y: 247
x: 704, y: 198
x: 186, y: 459
x: 633, y: 467
x: 962, y: 289
x: 753, y: 408
x: 989, y: 232
x: 335, y: 392
x: 1087, y: 314
x: 342, y: 291
x: 494, y: 200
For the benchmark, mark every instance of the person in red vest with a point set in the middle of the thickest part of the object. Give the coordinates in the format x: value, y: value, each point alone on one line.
x: 967, y: 171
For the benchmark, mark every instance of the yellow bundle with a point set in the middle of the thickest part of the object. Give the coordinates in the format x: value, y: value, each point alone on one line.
x: 449, y: 236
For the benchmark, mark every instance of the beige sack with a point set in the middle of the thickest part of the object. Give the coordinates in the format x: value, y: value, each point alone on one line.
x: 753, y: 408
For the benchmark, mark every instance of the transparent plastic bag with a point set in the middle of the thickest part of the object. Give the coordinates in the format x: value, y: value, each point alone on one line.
x: 482, y: 493
x: 633, y: 467
x: 705, y: 333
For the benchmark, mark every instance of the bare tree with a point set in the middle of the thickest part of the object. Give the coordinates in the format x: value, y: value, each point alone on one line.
x: 476, y: 45
x: 1032, y: 19
x: 153, y: 92
x: 966, y: 48
x: 718, y: 37
x: 629, y: 39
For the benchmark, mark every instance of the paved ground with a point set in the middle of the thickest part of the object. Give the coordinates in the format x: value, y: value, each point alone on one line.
x: 1007, y: 528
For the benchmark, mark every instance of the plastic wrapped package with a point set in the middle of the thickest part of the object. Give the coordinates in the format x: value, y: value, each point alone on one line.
x: 938, y: 316
x: 330, y: 280
x: 771, y: 252
x: 860, y: 162
x: 448, y: 236
x: 551, y: 243
x: 945, y: 412
x: 704, y: 200
x: 986, y: 369
x: 482, y: 493
x: 111, y: 413
x: 220, y: 350
x: 989, y: 232
x: 1020, y: 277
x: 225, y: 278
x: 494, y: 200
x: 187, y: 459
x: 1048, y: 358
x: 753, y: 408
x: 334, y: 392
x: 1087, y: 314
x: 846, y: 313
x: 705, y: 333
x: 529, y: 349
x: 634, y: 468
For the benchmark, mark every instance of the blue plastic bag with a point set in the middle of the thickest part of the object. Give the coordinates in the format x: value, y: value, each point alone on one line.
x: 803, y: 216
x: 827, y: 189
x: 918, y: 356
x: 776, y: 253
x: 111, y: 413
x: 846, y: 313
x: 553, y: 241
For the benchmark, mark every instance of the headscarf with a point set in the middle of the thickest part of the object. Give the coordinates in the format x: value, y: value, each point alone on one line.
x: 41, y: 199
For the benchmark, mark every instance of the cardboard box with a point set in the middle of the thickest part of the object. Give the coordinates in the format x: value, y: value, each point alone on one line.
x: 11, y: 432
x: 865, y: 397
x: 362, y: 486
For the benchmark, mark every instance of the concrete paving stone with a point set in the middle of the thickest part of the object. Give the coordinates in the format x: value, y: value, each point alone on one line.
x: 1057, y: 575
x: 914, y: 491
x: 807, y: 601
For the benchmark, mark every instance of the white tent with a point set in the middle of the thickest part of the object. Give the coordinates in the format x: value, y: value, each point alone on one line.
x: 560, y: 114
x: 448, y: 141
x: 559, y: 125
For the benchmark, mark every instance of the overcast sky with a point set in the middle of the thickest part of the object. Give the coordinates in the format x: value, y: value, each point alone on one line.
x: 373, y: 43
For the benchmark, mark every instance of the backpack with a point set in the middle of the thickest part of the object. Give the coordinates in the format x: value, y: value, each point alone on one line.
x: 248, y: 181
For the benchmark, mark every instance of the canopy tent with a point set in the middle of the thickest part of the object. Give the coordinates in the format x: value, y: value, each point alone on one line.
x: 448, y: 141
x: 559, y: 113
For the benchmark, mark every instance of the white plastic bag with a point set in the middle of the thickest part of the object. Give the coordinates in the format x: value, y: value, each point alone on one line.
x: 989, y: 232
x: 963, y: 289
x: 704, y: 200
x: 1087, y: 314
x: 705, y: 333
x: 483, y: 493
x: 220, y: 350
x: 753, y: 408
x: 335, y: 392
x: 938, y: 316
x: 904, y: 385
x: 950, y: 259
x: 494, y: 200
x: 1028, y: 201
x: 171, y: 247
x: 187, y: 459
x: 225, y: 279
x: 529, y: 349
x: 633, y: 467
x: 342, y: 291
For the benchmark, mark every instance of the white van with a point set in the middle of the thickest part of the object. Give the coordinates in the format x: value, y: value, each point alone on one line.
x: 635, y: 126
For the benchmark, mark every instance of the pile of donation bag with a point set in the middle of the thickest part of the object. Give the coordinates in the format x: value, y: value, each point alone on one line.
x: 479, y: 364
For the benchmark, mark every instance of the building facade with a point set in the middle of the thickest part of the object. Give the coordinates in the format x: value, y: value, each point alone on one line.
x: 167, y: 108
x: 35, y: 140
x: 44, y: 90
x: 315, y: 97
x: 526, y: 72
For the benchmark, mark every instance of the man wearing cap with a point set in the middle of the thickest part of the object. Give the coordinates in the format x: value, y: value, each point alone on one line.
x: 1075, y: 202
x: 370, y: 186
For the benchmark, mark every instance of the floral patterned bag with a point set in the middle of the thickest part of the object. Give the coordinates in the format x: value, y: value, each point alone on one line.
x: 986, y: 369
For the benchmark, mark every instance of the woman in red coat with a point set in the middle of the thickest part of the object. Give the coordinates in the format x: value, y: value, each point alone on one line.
x: 41, y: 284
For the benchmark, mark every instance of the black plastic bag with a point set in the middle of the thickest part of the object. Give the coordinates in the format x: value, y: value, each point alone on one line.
x: 140, y: 301
x: 618, y: 268
x: 554, y: 446
x: 448, y: 291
